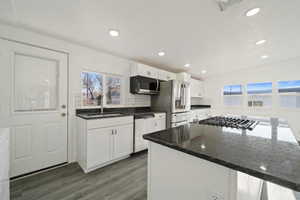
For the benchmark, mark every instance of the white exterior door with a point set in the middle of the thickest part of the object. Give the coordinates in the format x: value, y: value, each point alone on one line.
x: 33, y: 84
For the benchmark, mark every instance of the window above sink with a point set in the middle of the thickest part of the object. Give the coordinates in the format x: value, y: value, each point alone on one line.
x: 96, y: 85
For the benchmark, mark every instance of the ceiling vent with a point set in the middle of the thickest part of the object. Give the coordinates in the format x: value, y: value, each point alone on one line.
x: 225, y: 4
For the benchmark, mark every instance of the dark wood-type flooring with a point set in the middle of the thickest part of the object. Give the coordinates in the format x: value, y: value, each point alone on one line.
x: 124, y: 180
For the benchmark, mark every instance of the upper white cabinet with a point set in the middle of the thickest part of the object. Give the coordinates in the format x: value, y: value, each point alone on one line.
x: 147, y: 71
x: 197, y: 88
x: 166, y: 76
x: 138, y: 69
x: 104, y: 141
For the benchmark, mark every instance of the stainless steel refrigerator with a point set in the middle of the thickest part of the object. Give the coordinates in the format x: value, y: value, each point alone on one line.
x: 174, y: 99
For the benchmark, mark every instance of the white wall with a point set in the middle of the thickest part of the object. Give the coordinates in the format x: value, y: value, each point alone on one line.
x: 272, y: 72
x: 80, y: 58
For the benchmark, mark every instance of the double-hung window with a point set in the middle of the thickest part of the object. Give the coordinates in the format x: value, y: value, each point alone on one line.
x: 232, y: 95
x: 113, y: 90
x: 92, y: 88
x: 289, y: 94
x: 96, y: 87
x: 259, y: 94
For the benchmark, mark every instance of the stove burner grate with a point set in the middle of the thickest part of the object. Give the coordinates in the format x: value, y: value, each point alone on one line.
x: 231, y: 122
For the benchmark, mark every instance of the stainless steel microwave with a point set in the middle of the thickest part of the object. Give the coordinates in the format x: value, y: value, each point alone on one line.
x: 144, y: 85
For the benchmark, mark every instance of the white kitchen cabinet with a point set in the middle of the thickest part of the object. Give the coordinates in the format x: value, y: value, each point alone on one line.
x: 99, y: 146
x: 138, y: 69
x: 123, y: 141
x: 166, y: 76
x: 148, y: 125
x: 197, y: 88
x: 158, y: 122
x: 104, y: 141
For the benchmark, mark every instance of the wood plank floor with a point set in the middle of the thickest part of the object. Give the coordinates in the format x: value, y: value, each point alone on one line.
x: 125, y: 180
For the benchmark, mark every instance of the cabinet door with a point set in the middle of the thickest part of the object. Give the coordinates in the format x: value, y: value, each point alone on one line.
x: 165, y: 75
x: 147, y: 71
x: 98, y: 146
x: 160, y: 124
x: 123, y: 141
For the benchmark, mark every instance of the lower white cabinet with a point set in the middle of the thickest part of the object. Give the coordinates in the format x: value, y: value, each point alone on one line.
x: 104, y: 141
x: 99, y: 147
x: 123, y: 141
x: 145, y: 126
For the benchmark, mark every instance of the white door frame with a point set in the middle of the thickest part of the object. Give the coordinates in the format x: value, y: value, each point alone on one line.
x: 70, y: 146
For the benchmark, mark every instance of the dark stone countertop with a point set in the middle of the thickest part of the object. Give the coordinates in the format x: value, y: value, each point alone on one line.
x: 95, y: 113
x: 105, y: 115
x: 269, y: 152
x: 195, y: 107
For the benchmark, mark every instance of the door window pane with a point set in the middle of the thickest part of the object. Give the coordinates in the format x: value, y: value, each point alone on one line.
x: 92, y: 88
x: 113, y: 90
x: 35, y: 83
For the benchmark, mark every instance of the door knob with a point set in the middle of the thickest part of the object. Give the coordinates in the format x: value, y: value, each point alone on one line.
x: 63, y: 114
x: 63, y: 106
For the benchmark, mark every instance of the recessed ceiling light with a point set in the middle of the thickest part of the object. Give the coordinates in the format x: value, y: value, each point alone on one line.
x: 161, y: 53
x: 260, y: 42
x: 114, y: 33
x: 187, y: 65
x: 264, y: 57
x: 203, y: 71
x: 252, y: 12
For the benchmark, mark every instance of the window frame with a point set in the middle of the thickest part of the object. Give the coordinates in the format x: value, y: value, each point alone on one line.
x: 281, y: 94
x: 234, y: 95
x: 250, y: 95
x: 104, y: 90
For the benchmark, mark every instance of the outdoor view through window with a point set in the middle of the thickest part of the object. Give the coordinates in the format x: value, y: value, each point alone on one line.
x: 92, y: 88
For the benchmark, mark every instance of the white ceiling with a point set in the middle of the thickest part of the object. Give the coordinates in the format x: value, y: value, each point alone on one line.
x: 191, y: 31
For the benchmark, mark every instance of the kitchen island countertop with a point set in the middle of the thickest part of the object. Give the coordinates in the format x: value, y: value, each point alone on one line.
x: 269, y: 152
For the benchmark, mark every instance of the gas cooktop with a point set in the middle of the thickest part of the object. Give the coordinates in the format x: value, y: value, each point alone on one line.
x: 231, y: 122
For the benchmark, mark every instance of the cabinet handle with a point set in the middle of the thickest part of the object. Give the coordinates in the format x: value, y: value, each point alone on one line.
x: 112, y: 132
x: 116, y: 132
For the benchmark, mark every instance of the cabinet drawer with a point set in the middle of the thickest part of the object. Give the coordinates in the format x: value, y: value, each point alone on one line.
x: 106, y: 122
